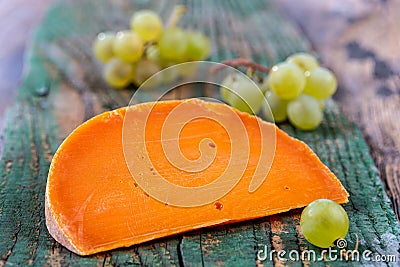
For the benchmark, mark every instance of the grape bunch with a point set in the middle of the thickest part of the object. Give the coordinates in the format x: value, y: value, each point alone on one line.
x: 134, y: 55
x: 295, y: 89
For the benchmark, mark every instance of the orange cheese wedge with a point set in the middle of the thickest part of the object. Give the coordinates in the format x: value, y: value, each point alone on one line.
x: 101, y: 193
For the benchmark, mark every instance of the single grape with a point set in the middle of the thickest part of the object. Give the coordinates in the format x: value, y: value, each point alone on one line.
x: 128, y: 46
x: 172, y: 44
x: 145, y: 69
x: 278, y: 107
x: 320, y: 83
x: 198, y: 47
x: 117, y: 73
x: 241, y: 93
x: 304, y: 112
x: 103, y: 46
x: 305, y: 61
x: 286, y: 80
x: 323, y: 222
x: 147, y: 24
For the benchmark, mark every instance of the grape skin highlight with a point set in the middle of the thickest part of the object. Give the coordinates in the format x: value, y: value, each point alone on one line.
x: 286, y: 80
x: 320, y: 83
x: 103, y: 46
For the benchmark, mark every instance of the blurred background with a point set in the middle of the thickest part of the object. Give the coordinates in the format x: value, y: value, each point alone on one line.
x: 18, y: 18
x: 371, y: 24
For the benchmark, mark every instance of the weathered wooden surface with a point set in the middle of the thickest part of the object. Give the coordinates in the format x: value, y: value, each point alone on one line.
x: 362, y: 46
x: 61, y: 89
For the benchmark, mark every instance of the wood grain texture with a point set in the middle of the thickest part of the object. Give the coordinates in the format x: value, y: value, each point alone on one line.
x: 361, y: 44
x: 62, y: 88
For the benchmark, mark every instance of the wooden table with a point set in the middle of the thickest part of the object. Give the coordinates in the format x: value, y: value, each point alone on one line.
x: 348, y: 38
x: 366, y: 58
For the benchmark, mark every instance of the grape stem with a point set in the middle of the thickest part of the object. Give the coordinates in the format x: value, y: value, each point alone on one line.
x: 237, y: 62
x: 176, y: 15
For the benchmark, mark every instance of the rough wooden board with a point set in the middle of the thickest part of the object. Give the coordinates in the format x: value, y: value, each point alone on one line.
x: 61, y: 89
x: 361, y: 44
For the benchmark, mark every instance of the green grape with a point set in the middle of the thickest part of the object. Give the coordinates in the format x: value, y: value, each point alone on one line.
x: 147, y: 24
x: 153, y: 53
x: 241, y: 93
x: 172, y: 44
x: 305, y: 61
x: 225, y: 93
x: 286, y: 80
x: 128, y: 46
x: 320, y: 83
x: 103, y: 46
x: 118, y: 73
x: 198, y: 47
x: 323, y: 222
x: 304, y: 112
x: 230, y: 81
x: 278, y: 107
x: 145, y: 69
x: 264, y: 86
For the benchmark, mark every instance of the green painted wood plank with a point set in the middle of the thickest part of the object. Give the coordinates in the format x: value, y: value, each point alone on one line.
x: 61, y: 68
